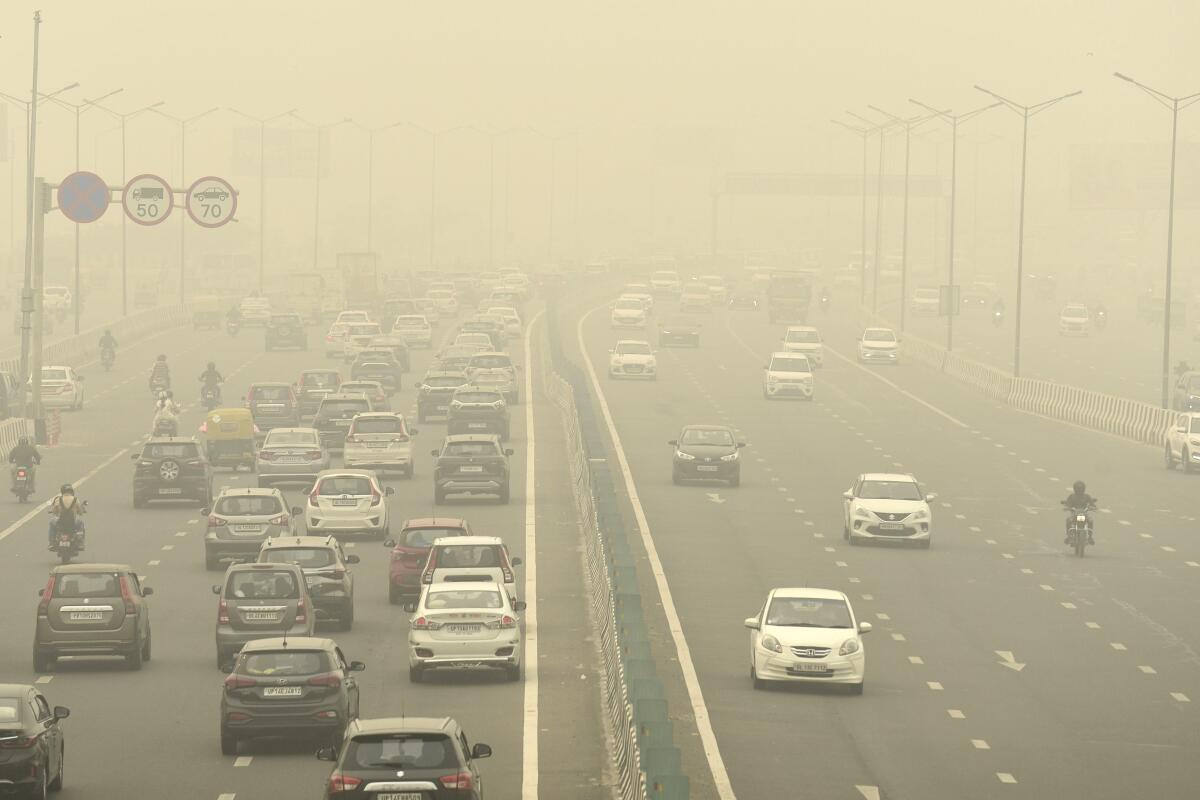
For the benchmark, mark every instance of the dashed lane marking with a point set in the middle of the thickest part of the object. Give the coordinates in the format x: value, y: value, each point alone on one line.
x: 1147, y: 669
x: 980, y: 744
x: 916, y: 660
x: 934, y: 686
x: 898, y: 637
x: 954, y: 713
x: 153, y: 563
x: 243, y: 761
x: 1117, y: 646
x: 1093, y: 625
x: 43, y: 679
x: 1006, y: 777
x: 1180, y: 697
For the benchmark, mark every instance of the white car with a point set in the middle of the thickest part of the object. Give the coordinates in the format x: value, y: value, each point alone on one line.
x: 464, y: 624
x: 664, y: 281
x: 717, y: 288
x: 517, y: 282
x: 887, y: 506
x: 476, y: 339
x: 352, y: 317
x: 357, y: 338
x: 56, y: 298
x: 468, y: 558
x: 346, y: 501
x: 788, y: 375
x: 926, y: 302
x: 640, y: 291
x: 807, y: 635
x: 255, y: 311
x: 490, y: 360
x: 695, y: 297
x: 379, y: 441
x: 632, y: 359
x: 415, y: 329
x: 335, y: 340
x: 62, y: 387
x: 646, y: 301
x: 879, y: 344
x: 1074, y: 320
x: 628, y: 313
x: 513, y: 327
x: 1183, y: 443
x: 807, y: 340
x: 447, y: 304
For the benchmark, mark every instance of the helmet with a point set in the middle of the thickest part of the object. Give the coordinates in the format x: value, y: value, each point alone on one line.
x: 1080, y: 487
x: 161, y: 357
x: 66, y: 488
x: 212, y: 367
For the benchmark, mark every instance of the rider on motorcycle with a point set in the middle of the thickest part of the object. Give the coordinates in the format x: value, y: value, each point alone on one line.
x: 66, y: 515
x: 998, y: 308
x: 166, y: 403
x: 1079, y: 502
x: 160, y: 371
x: 234, y: 315
x: 108, y: 341
x: 25, y: 455
x: 211, y: 379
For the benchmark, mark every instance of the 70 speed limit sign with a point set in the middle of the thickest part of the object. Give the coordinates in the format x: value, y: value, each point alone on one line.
x: 147, y: 199
x: 211, y: 202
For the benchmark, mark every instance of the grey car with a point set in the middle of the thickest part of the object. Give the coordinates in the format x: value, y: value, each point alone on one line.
x: 292, y: 687
x: 240, y: 521
x: 257, y: 601
x: 291, y: 455
x: 92, y: 610
x: 326, y: 572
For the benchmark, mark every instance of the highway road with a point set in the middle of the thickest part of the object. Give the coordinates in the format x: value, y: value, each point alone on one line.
x: 1000, y: 665
x: 544, y: 730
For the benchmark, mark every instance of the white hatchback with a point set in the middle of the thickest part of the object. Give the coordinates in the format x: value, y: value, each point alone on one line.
x: 1183, y: 443
x: 788, y: 375
x: 810, y: 636
x: 346, y: 501
x: 1074, y: 320
x: 632, y: 359
x: 807, y: 340
x: 415, y: 330
x: 62, y: 387
x: 628, y: 312
x: 879, y: 345
x: 887, y: 506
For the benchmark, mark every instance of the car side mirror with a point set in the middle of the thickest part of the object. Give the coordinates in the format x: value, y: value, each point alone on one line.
x: 508, y: 451
x: 227, y: 667
x: 752, y: 623
x: 481, y: 751
x: 433, y: 453
x: 865, y: 627
x: 741, y: 445
x: 389, y: 491
x: 326, y: 754
x: 929, y: 498
x: 61, y: 712
x: 134, y: 456
x: 516, y: 561
x: 41, y: 592
x: 204, y: 512
x: 216, y: 589
x: 389, y: 543
x: 848, y: 495
x: 357, y: 666
x: 297, y: 511
x: 352, y: 559
x: 673, y: 442
x: 147, y: 591
x: 410, y: 608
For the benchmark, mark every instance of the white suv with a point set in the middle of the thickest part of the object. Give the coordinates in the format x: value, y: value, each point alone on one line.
x: 1183, y: 443
x: 632, y: 359
x: 807, y: 340
x: 1073, y: 320
x: 887, y: 506
x: 879, y: 344
x: 788, y: 375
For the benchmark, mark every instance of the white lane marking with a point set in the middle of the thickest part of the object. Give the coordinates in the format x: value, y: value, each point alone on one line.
x: 44, y: 679
x: 1047, y: 587
x: 1147, y: 669
x: 1146, y: 535
x: 226, y: 796
x: 955, y: 713
x: 529, y: 733
x: 1009, y: 660
x: 868, y: 597
x: 841, y: 563
x: 1117, y: 646
x: 990, y: 541
x: 1180, y: 697
x: 168, y: 547
x: 1093, y: 625
x: 934, y: 685
x: 153, y: 563
x: 4, y: 534
x: 960, y: 516
x: 1026, y: 571
x: 708, y: 737
x: 980, y: 744
x: 1067, y: 605
x: 1124, y: 522
x: 898, y: 637
x: 854, y: 580
x: 818, y: 536
x: 1192, y: 563
x: 916, y: 660
x: 975, y: 529
x: 882, y: 616
x: 868, y: 792
x: 899, y: 389
x: 243, y: 761
x: 1008, y: 555
x: 1168, y: 549
x: 181, y: 533
x: 1006, y: 777
x: 830, y: 549
x: 192, y: 521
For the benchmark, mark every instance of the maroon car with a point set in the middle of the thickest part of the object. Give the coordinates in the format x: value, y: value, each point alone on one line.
x: 410, y: 549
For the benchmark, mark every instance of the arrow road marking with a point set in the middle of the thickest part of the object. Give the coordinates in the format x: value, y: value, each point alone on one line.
x: 714, y: 497
x: 1009, y: 661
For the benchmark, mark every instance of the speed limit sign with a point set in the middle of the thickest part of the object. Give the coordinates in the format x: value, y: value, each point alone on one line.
x: 148, y: 199
x: 211, y: 202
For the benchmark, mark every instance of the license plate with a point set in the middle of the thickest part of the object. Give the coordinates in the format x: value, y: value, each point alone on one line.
x: 809, y: 668
x: 345, y: 502
x: 706, y: 469
x: 282, y: 691
x: 476, y: 424
x: 398, y: 796
x: 462, y: 628
x: 170, y: 491
x: 891, y: 526
x: 377, y: 444
x: 260, y: 616
x: 79, y: 616
x: 289, y: 460
x: 471, y: 468
x: 247, y: 528
x: 341, y: 422
x: 441, y: 408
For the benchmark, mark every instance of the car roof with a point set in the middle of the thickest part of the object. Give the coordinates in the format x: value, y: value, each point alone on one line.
x: 379, y: 415
x: 632, y: 341
x: 887, y: 330
x: 469, y: 540
x: 289, y: 643
x: 806, y: 591
x: 402, y: 725
x: 791, y: 328
x: 898, y: 477
x: 300, y: 541
x: 257, y: 384
x: 61, y: 568
x: 472, y: 437
x: 451, y: 586
x: 434, y: 522
x: 248, y: 491
x: 313, y: 431
x: 788, y: 354
x: 343, y: 396
x: 709, y: 427
x: 255, y: 566
x: 170, y: 440
x: 319, y: 371
x: 333, y: 473
x: 491, y: 353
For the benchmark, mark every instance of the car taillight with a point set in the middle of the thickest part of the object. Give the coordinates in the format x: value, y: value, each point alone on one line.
x: 127, y: 596
x: 215, y: 522
x: 376, y: 497
x: 239, y: 682
x: 21, y: 473
x: 267, y: 455
x: 330, y: 679
x: 312, y: 496
x: 504, y: 622
x: 18, y: 743
x: 343, y: 783
x: 281, y: 519
x: 335, y: 574
x: 301, y: 611
x: 350, y: 437
x: 222, y: 613
x: 402, y: 438
x: 47, y: 593
x: 461, y: 780
x: 420, y: 623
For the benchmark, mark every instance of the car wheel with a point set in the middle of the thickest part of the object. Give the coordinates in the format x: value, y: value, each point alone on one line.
x: 146, y: 647
x: 1169, y: 459
x: 134, y: 659
x: 56, y: 785
x: 513, y: 673
x: 504, y: 493
x: 925, y: 544
x: 211, y: 562
x: 347, y: 622
x: 138, y: 502
x: 416, y: 674
x: 736, y: 480
x: 857, y: 688
x: 755, y: 681
x: 851, y: 539
x: 229, y: 743
x: 41, y: 663
x: 1186, y: 459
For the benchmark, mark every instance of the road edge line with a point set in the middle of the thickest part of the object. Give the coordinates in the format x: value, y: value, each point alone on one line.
x: 530, y: 730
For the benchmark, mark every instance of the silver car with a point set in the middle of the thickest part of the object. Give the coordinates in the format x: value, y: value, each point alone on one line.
x: 380, y: 441
x: 291, y: 455
x: 240, y: 521
x: 257, y: 601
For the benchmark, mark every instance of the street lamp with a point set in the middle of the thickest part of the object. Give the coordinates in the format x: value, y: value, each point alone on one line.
x: 554, y: 140
x: 183, y: 123
x: 318, y: 129
x: 433, y: 145
x: 1026, y: 112
x: 124, y: 264
x: 1176, y: 104
x: 371, y: 174
x: 882, y: 128
x: 864, y: 133
x: 262, y: 183
x: 953, y: 119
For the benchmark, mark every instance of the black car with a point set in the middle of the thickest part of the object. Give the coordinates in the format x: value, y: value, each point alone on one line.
x: 678, y: 334
x: 334, y: 416
x: 377, y: 365
x: 707, y: 453
x: 475, y: 409
x: 405, y: 757
x: 171, y: 468
x: 273, y: 405
x: 32, y: 742
x: 286, y: 330
x: 433, y: 394
x: 397, y: 345
x: 494, y: 331
x: 314, y: 385
x: 471, y: 464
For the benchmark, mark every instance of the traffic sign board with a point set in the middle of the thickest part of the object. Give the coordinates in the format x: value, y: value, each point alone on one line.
x: 147, y: 199
x: 83, y: 197
x: 211, y: 202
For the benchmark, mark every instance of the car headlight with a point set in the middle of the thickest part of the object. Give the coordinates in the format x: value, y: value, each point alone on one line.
x: 769, y: 642
x: 731, y: 457
x: 849, y: 647
x: 682, y: 456
x: 772, y: 380
x: 862, y: 513
x: 923, y: 514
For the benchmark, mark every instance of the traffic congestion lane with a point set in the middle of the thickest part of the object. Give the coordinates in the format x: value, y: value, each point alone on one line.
x: 182, y: 677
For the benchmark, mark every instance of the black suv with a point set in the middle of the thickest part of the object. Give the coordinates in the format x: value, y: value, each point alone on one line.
x: 273, y: 405
x: 313, y: 385
x: 334, y: 416
x: 475, y: 409
x: 171, y: 468
x: 377, y: 365
x: 471, y: 464
x: 434, y: 391
x: 286, y: 330
x: 406, y: 757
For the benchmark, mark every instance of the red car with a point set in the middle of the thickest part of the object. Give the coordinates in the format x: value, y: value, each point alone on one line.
x: 411, y: 548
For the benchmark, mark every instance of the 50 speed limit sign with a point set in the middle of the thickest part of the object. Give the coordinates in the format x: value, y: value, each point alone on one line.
x: 147, y: 199
x: 211, y: 202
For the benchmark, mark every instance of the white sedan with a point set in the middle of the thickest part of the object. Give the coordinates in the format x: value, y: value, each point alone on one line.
x: 628, y: 312
x: 415, y: 329
x: 346, y: 501
x: 632, y: 359
x: 62, y: 387
x: 887, y: 506
x: 1074, y: 320
x: 379, y: 441
x: 1183, y: 443
x: 464, y: 624
x: 807, y: 635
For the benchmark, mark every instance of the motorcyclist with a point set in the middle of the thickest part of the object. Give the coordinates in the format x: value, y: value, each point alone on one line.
x: 211, y: 379
x: 234, y: 315
x: 25, y: 455
x: 1079, y: 502
x: 998, y: 308
x: 66, y: 515
x: 166, y: 403
x: 108, y: 341
x: 160, y: 371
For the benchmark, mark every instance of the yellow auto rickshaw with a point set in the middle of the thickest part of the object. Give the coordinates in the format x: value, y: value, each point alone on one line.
x: 229, y: 438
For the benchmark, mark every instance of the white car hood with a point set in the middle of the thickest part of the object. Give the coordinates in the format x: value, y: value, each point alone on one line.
x: 879, y: 345
x: 628, y: 312
x: 633, y: 358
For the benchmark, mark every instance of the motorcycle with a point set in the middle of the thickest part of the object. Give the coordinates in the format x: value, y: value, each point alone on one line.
x: 22, y: 482
x: 1079, y: 528
x: 997, y: 318
x: 1101, y: 319
x: 210, y: 397
x: 68, y: 544
x: 824, y: 303
x: 107, y: 357
x: 166, y: 424
x: 232, y: 327
x: 159, y: 383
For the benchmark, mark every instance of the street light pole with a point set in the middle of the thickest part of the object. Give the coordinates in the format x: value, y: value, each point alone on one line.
x: 1026, y: 112
x: 371, y: 176
x: 864, y: 133
x: 953, y: 119
x: 262, y: 184
x: 318, y: 130
x: 878, y: 208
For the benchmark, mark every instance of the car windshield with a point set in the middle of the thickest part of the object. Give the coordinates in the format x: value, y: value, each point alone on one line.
x: 271, y: 394
x: 172, y: 450
x: 411, y: 750
x: 54, y: 374
x: 807, y: 337
x: 425, y: 537
x: 320, y: 380
x: 791, y: 364
x: 879, y: 336
x: 336, y: 485
x: 281, y: 663
x: 633, y: 349
x: 343, y: 408
x: 470, y: 449
x: 444, y: 381
x: 263, y: 585
x: 707, y: 436
x: 889, y: 490
x: 248, y: 505
x: 629, y: 303
x: 809, y: 612
x: 485, y: 598
x: 491, y: 361
x: 303, y: 557
x: 278, y: 437
x: 477, y: 397
x: 1075, y: 311
x: 379, y: 425
x: 87, y: 584
x: 410, y: 322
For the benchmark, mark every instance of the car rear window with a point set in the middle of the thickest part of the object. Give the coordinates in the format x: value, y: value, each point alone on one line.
x: 425, y: 537
x: 87, y: 584
x: 463, y: 598
x: 402, y: 750
x: 365, y: 329
x: 343, y: 408
x: 344, y: 484
x: 459, y: 556
x: 470, y: 449
x: 290, y: 437
x: 171, y: 450
x: 248, y: 505
x: 283, y: 663
x: 303, y: 557
x: 270, y: 394
x: 491, y: 362
x: 320, y: 380
x: 477, y: 397
x: 445, y: 381
x: 360, y: 387
x: 379, y: 425
x: 288, y: 319
x: 263, y: 584
x: 374, y: 363
x: 54, y: 374
x: 410, y: 322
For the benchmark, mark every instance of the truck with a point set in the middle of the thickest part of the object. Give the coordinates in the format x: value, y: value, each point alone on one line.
x: 360, y: 280
x: 789, y: 293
